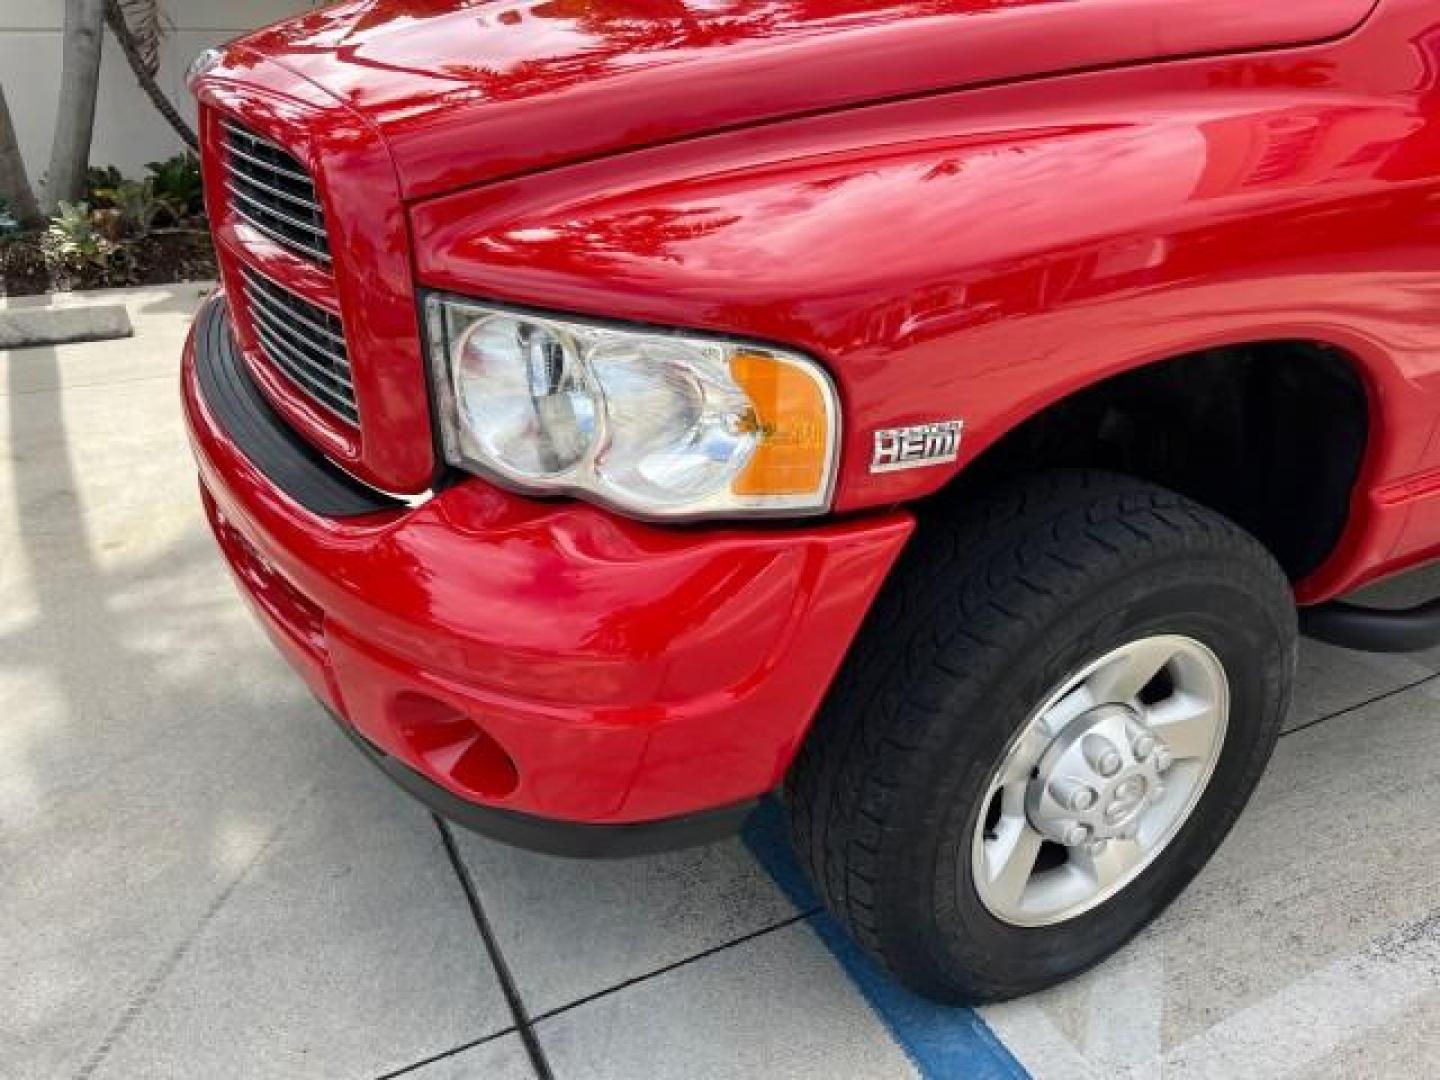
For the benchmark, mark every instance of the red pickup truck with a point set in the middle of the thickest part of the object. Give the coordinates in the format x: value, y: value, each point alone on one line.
x: 938, y: 410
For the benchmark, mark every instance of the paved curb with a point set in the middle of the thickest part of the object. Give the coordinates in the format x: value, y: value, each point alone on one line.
x: 28, y: 327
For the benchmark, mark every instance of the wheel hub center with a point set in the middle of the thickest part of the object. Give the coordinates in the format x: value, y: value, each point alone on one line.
x: 1097, y: 777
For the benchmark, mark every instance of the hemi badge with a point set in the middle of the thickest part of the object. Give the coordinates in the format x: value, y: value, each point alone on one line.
x: 912, y: 447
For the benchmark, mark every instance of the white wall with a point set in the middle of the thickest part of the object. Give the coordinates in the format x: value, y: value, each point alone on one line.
x: 128, y: 130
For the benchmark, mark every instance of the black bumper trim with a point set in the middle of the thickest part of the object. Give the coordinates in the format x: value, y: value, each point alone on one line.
x: 263, y: 436
x: 571, y: 839
x: 1373, y: 629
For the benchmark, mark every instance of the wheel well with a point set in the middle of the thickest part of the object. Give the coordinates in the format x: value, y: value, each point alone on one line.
x: 1272, y: 434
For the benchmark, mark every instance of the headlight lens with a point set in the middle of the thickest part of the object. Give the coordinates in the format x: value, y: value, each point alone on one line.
x: 526, y: 402
x: 656, y: 424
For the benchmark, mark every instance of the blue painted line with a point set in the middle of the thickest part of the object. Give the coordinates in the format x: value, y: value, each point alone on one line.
x: 944, y: 1043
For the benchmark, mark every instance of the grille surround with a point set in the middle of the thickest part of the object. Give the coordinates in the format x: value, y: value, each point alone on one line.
x: 270, y: 190
x: 305, y: 343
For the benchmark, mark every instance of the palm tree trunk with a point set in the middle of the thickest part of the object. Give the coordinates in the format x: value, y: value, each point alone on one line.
x: 14, y: 181
x: 115, y: 19
x: 75, y: 119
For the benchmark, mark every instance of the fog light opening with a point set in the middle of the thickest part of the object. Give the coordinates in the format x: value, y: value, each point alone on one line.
x: 454, y: 747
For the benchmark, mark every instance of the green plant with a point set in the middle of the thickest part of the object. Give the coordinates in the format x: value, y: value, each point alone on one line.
x: 72, y: 241
x: 177, y: 185
x: 100, y: 185
x: 138, y: 206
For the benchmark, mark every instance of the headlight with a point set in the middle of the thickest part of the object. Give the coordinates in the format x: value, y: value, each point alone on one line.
x: 657, y: 424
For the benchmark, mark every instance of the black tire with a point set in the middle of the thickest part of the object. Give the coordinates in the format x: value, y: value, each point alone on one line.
x: 979, y: 622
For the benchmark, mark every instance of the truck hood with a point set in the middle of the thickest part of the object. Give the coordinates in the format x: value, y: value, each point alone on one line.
x: 465, y: 91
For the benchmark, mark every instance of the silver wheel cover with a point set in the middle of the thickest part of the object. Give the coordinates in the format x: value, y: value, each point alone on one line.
x: 1099, y: 780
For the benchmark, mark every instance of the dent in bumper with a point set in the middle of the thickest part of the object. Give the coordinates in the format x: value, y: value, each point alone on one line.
x: 630, y: 673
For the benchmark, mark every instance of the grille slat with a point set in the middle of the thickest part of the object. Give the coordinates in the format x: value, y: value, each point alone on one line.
x: 300, y: 202
x: 317, y: 364
x: 278, y: 308
x: 290, y: 306
x: 271, y: 191
x: 305, y: 342
x: 300, y: 373
x: 253, y: 206
x: 291, y: 170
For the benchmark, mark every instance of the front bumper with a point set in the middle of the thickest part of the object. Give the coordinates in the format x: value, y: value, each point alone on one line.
x: 538, y: 669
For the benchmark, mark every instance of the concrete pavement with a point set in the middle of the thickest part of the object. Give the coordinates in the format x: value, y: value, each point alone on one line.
x: 200, y: 876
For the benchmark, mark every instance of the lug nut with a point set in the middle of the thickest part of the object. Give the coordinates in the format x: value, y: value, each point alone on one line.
x: 1117, y: 812
x: 1163, y: 758
x: 1075, y: 835
x: 1102, y: 755
x: 1131, y: 790
x: 1143, y: 744
x: 1073, y: 795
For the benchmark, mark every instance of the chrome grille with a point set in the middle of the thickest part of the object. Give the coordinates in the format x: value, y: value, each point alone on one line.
x: 303, y: 341
x: 271, y: 191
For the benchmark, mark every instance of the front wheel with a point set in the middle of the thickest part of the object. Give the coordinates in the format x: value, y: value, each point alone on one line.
x: 1051, y: 720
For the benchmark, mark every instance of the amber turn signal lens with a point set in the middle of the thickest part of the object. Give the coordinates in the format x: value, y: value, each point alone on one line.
x: 793, y: 424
